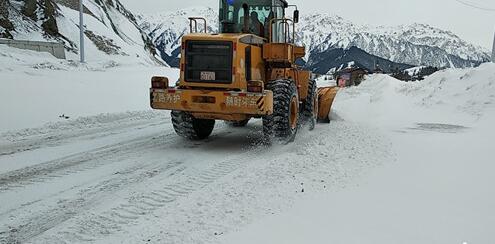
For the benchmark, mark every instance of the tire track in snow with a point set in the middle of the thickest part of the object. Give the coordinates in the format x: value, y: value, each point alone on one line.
x: 93, y: 226
x: 75, y: 163
x: 87, y: 224
x: 23, y: 141
x: 66, y: 209
x: 36, y: 225
x: 322, y: 160
x: 72, y: 164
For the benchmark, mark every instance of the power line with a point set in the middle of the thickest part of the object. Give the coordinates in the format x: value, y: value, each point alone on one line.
x: 475, y: 6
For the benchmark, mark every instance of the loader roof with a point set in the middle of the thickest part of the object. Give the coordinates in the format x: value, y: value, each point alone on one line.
x: 286, y: 4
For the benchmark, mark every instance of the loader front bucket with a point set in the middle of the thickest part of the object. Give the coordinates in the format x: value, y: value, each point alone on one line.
x: 326, y: 96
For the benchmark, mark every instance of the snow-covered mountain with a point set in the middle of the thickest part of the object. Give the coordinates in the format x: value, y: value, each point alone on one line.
x: 415, y: 44
x: 112, y: 32
x: 167, y: 29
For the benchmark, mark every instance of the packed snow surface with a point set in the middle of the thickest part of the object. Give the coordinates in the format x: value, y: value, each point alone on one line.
x: 400, y: 163
x: 439, y: 188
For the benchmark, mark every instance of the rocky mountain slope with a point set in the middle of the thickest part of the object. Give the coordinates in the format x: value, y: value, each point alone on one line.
x: 415, y: 44
x: 337, y: 58
x: 112, y: 32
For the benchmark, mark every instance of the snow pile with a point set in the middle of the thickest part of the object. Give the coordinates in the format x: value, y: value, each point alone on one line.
x: 438, y: 190
x: 467, y: 90
x: 461, y: 94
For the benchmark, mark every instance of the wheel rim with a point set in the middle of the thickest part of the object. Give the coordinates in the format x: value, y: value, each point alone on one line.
x: 293, y: 113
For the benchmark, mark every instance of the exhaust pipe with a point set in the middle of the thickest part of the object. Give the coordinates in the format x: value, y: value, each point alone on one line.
x: 246, y: 18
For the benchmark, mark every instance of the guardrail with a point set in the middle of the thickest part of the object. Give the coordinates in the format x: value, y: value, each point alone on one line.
x: 56, y: 49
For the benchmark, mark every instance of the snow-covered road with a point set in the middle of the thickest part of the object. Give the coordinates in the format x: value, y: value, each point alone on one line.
x: 129, y: 178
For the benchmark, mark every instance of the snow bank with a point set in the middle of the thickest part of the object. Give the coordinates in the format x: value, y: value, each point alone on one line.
x: 439, y: 189
x: 458, y: 96
x: 80, y: 123
x: 469, y: 91
x: 27, y: 61
x: 37, y: 88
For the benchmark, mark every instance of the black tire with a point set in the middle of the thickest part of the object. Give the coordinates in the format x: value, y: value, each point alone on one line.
x: 185, y: 125
x: 310, y: 107
x: 280, y: 125
x: 242, y: 123
x: 324, y: 121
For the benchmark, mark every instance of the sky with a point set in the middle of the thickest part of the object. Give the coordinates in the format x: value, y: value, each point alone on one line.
x: 473, y: 25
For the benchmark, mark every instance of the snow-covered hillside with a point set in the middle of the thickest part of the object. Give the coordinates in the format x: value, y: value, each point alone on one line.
x: 415, y: 44
x: 112, y: 32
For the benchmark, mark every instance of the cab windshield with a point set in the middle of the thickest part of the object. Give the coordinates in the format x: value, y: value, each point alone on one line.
x: 260, y: 12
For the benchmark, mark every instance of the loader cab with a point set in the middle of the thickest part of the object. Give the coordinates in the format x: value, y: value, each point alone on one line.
x: 252, y: 16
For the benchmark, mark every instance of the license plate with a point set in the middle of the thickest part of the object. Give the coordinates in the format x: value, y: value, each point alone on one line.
x: 207, y: 75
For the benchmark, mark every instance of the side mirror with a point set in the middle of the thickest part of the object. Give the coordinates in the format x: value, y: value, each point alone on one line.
x: 296, y: 16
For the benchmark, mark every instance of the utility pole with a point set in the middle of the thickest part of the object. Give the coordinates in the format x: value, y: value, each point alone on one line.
x: 493, y: 49
x: 81, y: 29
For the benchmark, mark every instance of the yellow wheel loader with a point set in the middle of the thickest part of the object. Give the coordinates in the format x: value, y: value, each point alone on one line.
x: 247, y: 70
